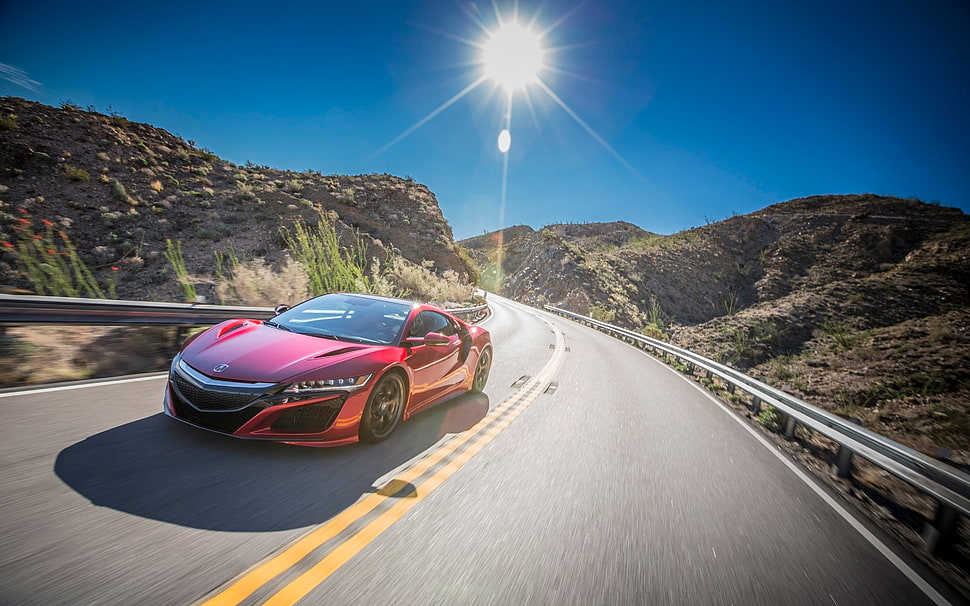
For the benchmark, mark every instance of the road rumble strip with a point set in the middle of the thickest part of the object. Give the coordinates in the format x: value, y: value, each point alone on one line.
x: 386, y: 505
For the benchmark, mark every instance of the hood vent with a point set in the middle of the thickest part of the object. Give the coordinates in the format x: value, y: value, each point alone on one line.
x: 338, y: 352
x: 232, y: 327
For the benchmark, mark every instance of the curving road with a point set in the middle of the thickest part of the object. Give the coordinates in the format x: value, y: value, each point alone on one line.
x: 588, y: 473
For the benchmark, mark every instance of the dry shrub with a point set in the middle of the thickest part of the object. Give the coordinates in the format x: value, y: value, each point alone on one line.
x: 423, y: 284
x: 257, y: 284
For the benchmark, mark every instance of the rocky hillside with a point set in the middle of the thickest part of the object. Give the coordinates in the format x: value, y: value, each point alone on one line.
x: 860, y: 303
x: 118, y: 190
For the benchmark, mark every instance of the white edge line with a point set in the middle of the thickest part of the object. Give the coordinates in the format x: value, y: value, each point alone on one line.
x: 880, y: 546
x: 28, y: 392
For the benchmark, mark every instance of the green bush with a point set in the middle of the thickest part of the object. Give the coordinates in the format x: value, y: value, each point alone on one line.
x: 603, y: 313
x: 474, y: 274
x: 842, y: 336
x: 771, y: 419
x: 330, y: 267
x: 76, y: 174
x: 293, y: 187
x: 173, y: 253
x: 654, y: 332
x: 120, y: 193
x: 50, y: 261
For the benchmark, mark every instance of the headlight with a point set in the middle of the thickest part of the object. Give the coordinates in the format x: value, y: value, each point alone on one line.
x: 348, y: 384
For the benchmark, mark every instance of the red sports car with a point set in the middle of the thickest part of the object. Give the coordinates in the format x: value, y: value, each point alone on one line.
x: 332, y: 370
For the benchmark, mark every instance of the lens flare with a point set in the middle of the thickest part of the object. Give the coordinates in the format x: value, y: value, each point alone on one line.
x: 504, y: 140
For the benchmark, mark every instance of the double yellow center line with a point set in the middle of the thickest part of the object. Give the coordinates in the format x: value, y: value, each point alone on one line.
x: 430, y: 472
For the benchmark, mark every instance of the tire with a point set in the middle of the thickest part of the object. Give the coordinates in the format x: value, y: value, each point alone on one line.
x: 384, y: 408
x: 481, y: 370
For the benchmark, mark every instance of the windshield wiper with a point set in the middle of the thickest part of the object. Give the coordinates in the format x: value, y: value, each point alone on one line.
x: 277, y: 325
x: 336, y: 337
x: 323, y: 335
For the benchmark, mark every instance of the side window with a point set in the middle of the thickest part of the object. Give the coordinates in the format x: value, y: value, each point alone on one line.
x: 446, y: 326
x: 429, y: 321
x: 417, y: 327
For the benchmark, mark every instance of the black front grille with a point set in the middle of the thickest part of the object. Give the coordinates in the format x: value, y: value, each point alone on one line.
x: 208, y: 399
x: 225, y: 422
x: 312, y: 418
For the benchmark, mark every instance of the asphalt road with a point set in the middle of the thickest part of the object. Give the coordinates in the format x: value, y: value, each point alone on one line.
x: 588, y: 473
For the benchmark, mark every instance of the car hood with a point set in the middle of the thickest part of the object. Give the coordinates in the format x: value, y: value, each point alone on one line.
x: 246, y: 350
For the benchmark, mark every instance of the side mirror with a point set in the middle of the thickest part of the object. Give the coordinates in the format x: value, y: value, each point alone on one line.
x: 434, y: 339
x: 281, y: 308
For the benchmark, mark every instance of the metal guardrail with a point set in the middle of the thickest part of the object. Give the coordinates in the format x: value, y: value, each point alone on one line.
x: 29, y: 309
x: 474, y: 314
x: 16, y: 310
x: 949, y: 486
x: 20, y: 309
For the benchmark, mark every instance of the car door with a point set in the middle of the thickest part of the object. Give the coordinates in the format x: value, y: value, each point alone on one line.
x: 434, y: 368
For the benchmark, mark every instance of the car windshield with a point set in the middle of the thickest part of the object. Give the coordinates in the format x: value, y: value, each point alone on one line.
x: 347, y: 317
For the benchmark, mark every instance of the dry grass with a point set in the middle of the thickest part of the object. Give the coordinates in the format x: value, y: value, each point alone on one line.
x: 33, y: 355
x: 422, y: 283
x: 256, y: 283
x: 259, y: 284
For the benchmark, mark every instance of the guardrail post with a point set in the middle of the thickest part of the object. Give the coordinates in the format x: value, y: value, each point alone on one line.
x: 180, y: 336
x: 843, y: 460
x: 756, y: 405
x: 937, y: 533
x: 790, y: 427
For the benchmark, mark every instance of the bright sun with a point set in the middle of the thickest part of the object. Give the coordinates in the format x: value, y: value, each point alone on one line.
x: 513, y: 56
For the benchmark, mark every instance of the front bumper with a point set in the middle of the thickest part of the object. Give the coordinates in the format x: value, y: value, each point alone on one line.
x: 262, y: 411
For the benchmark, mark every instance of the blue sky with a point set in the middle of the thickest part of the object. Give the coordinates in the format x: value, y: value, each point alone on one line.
x: 670, y: 114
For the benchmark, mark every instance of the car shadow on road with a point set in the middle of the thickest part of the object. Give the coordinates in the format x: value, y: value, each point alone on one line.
x: 161, y: 469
